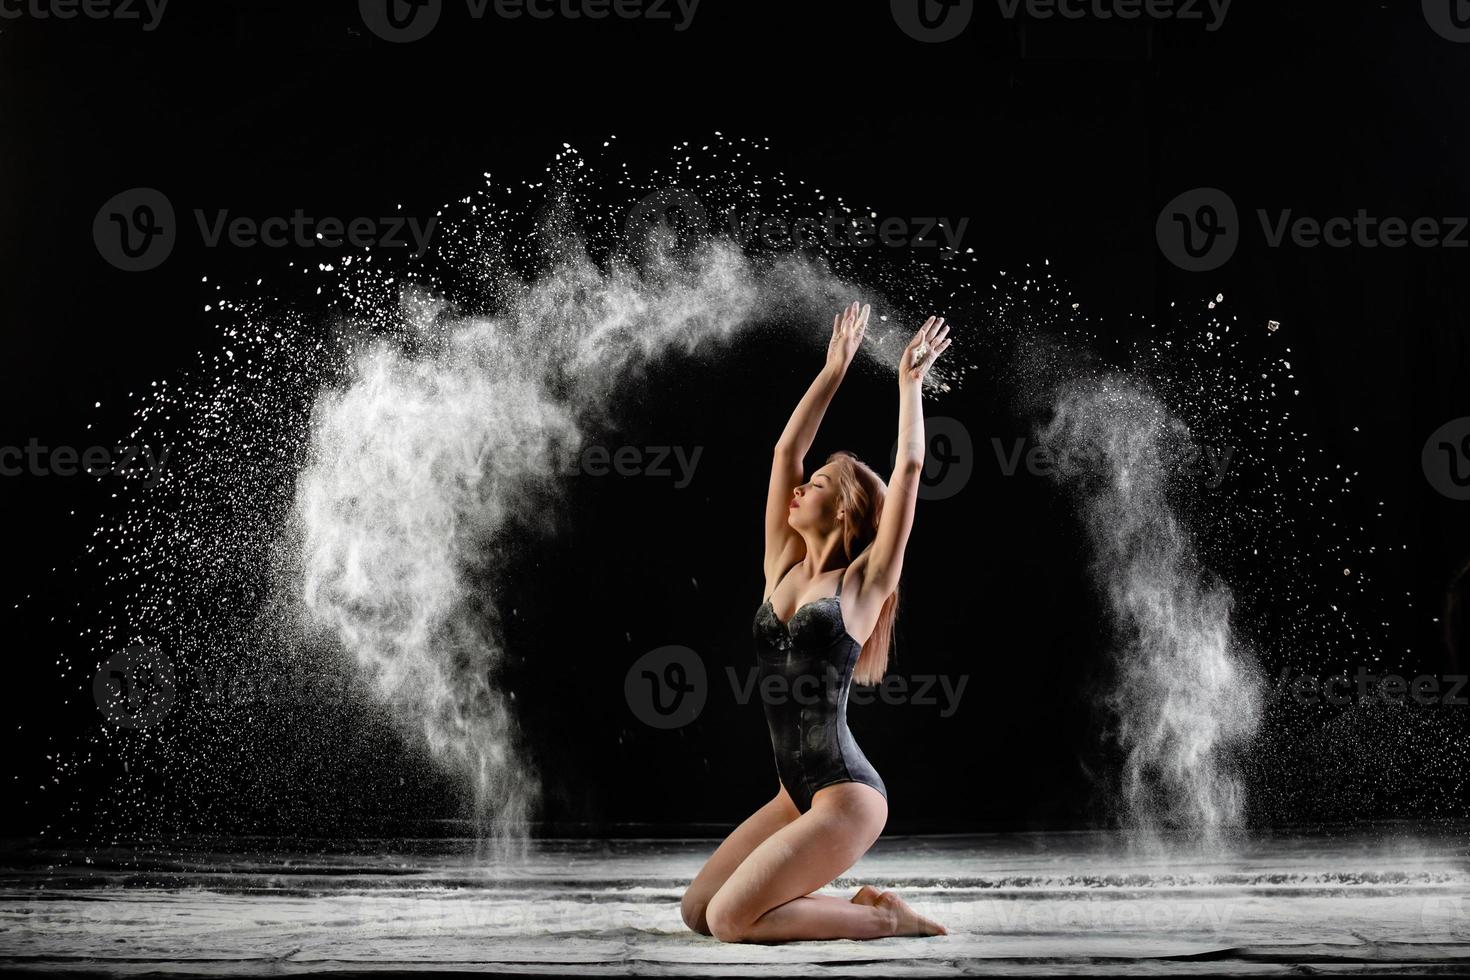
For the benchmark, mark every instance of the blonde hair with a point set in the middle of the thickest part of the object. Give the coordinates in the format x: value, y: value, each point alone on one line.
x: 860, y: 493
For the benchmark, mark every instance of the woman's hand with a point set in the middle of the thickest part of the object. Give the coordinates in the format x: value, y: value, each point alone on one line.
x: 847, y: 336
x: 931, y: 341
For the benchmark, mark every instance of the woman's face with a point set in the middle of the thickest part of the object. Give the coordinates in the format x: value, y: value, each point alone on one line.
x: 814, y: 505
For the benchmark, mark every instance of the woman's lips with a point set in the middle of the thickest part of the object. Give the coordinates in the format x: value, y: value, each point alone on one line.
x: 792, y: 505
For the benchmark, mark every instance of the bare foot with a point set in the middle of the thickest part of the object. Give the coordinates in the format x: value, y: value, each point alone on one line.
x: 907, y: 922
x: 866, y: 895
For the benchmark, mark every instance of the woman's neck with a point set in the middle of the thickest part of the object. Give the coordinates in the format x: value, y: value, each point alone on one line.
x: 823, y: 554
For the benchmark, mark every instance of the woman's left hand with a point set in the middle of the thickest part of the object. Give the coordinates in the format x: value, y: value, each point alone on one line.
x: 931, y: 341
x: 848, y: 328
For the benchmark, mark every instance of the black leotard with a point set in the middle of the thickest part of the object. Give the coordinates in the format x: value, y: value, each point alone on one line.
x: 812, y: 658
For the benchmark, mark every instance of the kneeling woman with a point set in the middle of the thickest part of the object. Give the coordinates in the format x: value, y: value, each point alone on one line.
x: 833, y: 553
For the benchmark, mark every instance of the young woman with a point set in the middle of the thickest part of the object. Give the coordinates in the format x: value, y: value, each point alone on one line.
x: 833, y: 553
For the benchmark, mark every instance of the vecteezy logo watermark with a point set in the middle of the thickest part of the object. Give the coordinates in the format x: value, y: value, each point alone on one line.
x: 932, y: 21
x: 666, y: 688
x: 124, y: 461
x: 137, y: 230
x: 1211, y: 12
x: 404, y: 21
x: 135, y: 688
x: 400, y: 21
x: 663, y: 218
x: 149, y: 13
x: 1445, y: 917
x: 1340, y: 690
x: 1446, y: 459
x: 1199, y: 230
x: 1450, y: 19
x: 1205, y: 463
x: 949, y: 458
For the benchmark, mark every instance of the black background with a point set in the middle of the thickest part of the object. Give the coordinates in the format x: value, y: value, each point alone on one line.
x: 1058, y: 141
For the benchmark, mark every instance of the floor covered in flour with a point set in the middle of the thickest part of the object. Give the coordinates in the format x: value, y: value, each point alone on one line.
x: 1015, y: 904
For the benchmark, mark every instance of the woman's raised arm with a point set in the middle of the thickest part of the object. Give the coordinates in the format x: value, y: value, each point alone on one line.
x: 885, y: 555
x: 782, y: 543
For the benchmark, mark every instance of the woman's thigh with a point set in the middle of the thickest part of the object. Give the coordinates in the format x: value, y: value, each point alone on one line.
x: 745, y: 838
x: 803, y: 856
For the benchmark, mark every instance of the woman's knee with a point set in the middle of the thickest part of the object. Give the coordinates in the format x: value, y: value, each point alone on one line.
x: 692, y: 908
x: 725, y: 922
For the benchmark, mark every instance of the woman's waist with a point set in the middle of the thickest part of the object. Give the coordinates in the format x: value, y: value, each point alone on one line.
x: 811, y: 685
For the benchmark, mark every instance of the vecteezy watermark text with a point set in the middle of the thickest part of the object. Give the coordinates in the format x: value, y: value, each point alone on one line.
x: 1200, y: 230
x: 405, y: 21
x: 127, y: 462
x: 937, y: 21
x: 1339, y: 690
x: 1194, y: 917
x: 1211, y: 13
x: 305, y: 231
x: 148, y: 13
x: 1205, y: 463
x: 658, y: 462
x: 1363, y: 230
x: 668, y: 688
x: 136, y: 230
x: 845, y: 231
x: 674, y: 211
x: 824, y: 686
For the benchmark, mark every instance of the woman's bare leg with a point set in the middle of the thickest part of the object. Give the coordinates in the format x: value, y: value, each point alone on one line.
x: 902, y: 920
x: 817, y: 917
x: 761, y: 824
x: 767, y: 898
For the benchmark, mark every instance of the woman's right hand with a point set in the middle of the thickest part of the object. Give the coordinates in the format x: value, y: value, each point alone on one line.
x: 847, y: 336
x: 931, y: 341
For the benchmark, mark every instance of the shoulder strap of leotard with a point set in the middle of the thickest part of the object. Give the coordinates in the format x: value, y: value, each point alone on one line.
x: 846, y: 567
